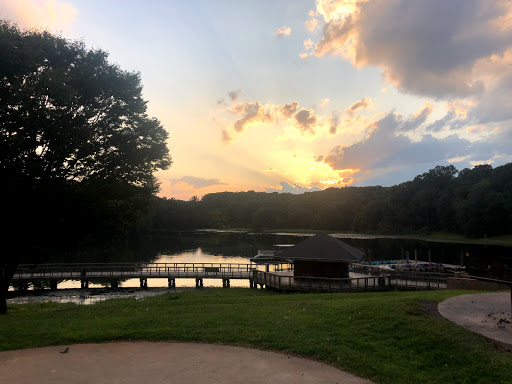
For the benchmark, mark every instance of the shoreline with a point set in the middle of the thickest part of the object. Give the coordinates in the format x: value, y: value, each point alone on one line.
x: 505, y: 241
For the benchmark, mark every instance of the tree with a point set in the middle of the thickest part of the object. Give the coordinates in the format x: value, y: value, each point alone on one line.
x: 69, y: 121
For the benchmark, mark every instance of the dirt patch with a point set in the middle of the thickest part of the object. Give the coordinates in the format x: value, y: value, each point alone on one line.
x: 430, y: 308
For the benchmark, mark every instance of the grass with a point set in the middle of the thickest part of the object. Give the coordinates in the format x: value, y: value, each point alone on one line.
x: 385, y: 337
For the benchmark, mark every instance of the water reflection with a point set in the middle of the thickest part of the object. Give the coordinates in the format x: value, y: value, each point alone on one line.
x: 237, y: 247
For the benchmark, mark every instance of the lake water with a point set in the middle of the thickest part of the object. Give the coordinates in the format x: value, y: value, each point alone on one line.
x: 234, y: 247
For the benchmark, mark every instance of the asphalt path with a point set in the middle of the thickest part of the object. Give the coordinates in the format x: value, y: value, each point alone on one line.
x: 177, y: 363
x: 485, y: 313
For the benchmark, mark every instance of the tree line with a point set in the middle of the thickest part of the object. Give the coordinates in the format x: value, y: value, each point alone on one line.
x: 474, y: 202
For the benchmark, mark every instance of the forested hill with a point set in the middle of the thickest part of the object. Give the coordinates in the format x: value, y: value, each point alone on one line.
x: 473, y: 202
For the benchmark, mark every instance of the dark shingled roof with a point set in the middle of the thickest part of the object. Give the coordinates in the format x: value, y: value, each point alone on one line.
x: 322, y: 247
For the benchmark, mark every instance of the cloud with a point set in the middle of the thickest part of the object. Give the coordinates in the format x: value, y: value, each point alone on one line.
x: 324, y: 102
x: 311, y: 24
x: 307, y: 120
x: 387, y: 153
x: 282, y: 32
x: 198, y: 182
x: 296, y: 189
x: 442, y: 123
x: 226, y: 137
x: 496, y: 104
x: 251, y: 112
x: 234, y: 95
x: 308, y: 44
x: 417, y: 119
x: 433, y: 48
x: 254, y: 112
x: 51, y: 14
x: 358, y: 105
x: 289, y: 109
x: 334, y: 122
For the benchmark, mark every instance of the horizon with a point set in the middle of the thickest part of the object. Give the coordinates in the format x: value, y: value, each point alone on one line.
x: 300, y: 96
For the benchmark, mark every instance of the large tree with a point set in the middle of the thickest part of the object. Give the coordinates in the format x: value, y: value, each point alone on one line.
x: 71, y: 124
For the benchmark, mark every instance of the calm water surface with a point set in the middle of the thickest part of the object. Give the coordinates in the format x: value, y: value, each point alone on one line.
x: 232, y: 247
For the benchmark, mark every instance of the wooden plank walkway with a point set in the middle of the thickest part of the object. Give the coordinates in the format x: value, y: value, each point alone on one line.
x: 116, y: 272
x: 281, y: 278
x: 134, y: 270
x: 288, y: 282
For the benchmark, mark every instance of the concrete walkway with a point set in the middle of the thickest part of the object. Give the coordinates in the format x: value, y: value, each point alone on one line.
x: 484, y: 313
x: 139, y: 362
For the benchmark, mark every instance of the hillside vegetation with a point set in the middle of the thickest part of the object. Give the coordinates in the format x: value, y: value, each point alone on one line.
x: 473, y: 202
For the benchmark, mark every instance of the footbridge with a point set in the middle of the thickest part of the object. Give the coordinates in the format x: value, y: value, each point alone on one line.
x: 52, y: 274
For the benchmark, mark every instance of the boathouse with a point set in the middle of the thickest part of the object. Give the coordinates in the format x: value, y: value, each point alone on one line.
x: 321, y: 256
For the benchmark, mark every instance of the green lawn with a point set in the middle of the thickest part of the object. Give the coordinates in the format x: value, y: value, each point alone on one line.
x: 385, y: 337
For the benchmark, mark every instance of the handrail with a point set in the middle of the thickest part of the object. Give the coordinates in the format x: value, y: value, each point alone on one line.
x: 310, y: 283
x: 130, y: 270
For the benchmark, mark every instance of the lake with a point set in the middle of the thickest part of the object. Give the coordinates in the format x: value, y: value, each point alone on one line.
x: 238, y: 247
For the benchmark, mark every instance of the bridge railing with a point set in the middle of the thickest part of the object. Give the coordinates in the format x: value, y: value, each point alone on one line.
x: 308, y: 283
x: 367, y: 283
x: 131, y: 270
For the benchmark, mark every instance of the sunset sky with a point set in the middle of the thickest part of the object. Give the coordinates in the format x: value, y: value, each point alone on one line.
x: 301, y: 95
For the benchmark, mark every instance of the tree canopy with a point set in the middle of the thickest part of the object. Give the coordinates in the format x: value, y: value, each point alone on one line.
x: 474, y: 202
x: 78, y: 147
x: 69, y: 114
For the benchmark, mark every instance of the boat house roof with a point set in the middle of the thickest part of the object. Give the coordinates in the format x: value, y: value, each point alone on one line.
x: 322, y: 247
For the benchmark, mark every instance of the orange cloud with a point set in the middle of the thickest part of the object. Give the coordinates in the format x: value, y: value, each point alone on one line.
x: 282, y: 32
x: 457, y: 54
x: 358, y: 105
x: 51, y: 14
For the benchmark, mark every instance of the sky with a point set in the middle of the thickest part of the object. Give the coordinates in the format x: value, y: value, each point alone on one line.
x: 296, y: 96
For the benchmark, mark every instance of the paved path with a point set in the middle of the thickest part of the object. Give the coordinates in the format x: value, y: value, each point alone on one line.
x: 144, y: 362
x: 484, y: 313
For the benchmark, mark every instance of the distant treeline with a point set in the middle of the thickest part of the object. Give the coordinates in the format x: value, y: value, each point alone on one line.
x: 475, y: 202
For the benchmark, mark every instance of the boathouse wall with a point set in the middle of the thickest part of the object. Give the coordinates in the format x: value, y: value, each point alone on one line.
x: 314, y: 268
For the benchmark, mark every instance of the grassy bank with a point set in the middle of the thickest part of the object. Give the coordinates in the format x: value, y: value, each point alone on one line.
x: 385, y: 337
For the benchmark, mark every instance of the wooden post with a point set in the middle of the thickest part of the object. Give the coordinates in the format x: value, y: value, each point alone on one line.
x: 416, y: 256
x: 429, y: 256
x: 171, y: 282
x: 407, y: 256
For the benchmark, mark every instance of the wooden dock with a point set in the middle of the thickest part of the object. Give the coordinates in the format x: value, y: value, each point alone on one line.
x: 116, y: 272
x: 288, y: 282
x: 280, y: 278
